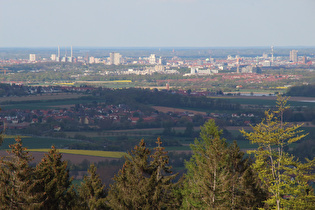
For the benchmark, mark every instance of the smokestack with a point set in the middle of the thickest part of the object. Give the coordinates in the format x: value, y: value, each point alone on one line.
x: 272, y: 55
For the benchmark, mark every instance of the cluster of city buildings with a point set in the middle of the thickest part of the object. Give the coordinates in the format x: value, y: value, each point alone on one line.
x: 156, y: 64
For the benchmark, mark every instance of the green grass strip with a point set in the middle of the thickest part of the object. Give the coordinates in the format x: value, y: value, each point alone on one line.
x: 97, y: 153
x: 14, y: 136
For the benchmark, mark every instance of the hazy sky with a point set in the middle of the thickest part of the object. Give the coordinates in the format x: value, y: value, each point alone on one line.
x: 157, y: 23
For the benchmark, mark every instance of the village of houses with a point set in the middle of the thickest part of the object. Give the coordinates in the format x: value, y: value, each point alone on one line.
x: 113, y: 117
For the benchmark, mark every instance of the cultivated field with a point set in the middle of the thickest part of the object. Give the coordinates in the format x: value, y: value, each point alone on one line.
x: 103, y: 82
x: 274, y: 98
x: 97, y: 153
x: 171, y: 109
x: 73, y: 158
x: 49, y: 101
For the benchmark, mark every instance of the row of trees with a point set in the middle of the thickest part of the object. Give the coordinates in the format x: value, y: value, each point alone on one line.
x: 137, y: 98
x: 304, y: 90
x: 219, y: 176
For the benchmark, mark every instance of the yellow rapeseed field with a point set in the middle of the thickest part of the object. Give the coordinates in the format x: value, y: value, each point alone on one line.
x: 97, y: 153
x: 104, y: 82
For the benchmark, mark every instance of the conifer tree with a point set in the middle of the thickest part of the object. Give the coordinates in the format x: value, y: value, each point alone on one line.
x: 54, y: 182
x: 17, y: 179
x: 141, y: 183
x: 92, y: 192
x: 286, y: 178
x: 129, y: 188
x: 245, y: 190
x: 160, y: 186
x: 218, y: 176
x: 207, y: 172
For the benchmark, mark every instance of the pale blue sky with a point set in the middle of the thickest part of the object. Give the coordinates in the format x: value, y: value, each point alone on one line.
x: 157, y: 23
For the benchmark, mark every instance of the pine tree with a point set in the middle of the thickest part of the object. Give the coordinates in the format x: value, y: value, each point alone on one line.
x: 161, y: 187
x: 92, y: 191
x: 141, y: 183
x: 245, y: 188
x: 218, y: 176
x: 129, y: 187
x: 286, y: 178
x: 17, y: 179
x: 207, y: 172
x: 54, y: 182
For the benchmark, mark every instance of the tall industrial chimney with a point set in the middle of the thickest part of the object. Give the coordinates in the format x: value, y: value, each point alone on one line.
x: 272, y: 56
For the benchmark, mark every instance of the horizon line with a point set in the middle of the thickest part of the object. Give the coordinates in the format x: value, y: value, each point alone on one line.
x: 155, y: 47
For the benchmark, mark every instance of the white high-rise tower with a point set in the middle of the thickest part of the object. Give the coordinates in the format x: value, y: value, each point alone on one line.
x: 114, y: 58
x: 294, y: 56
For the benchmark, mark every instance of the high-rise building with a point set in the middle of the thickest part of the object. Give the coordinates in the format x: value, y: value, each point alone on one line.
x: 53, y: 57
x: 265, y: 55
x: 114, y: 58
x: 152, y: 59
x: 193, y: 70
x: 91, y: 59
x: 32, y: 57
x: 162, y: 61
x: 294, y: 56
x: 159, y: 68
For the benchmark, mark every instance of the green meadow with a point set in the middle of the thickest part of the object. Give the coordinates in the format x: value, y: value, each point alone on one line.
x: 37, y: 142
x: 267, y: 102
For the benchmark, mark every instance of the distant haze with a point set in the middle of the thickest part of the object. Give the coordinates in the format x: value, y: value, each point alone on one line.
x: 157, y: 23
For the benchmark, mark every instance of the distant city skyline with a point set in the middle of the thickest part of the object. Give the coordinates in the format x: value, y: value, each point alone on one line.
x: 157, y: 23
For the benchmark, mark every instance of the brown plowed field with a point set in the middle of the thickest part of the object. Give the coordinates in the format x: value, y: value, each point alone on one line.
x: 170, y: 109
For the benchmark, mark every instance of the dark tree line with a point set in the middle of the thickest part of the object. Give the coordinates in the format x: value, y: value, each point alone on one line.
x: 136, y: 97
x: 12, y: 90
x: 304, y: 90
